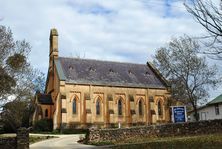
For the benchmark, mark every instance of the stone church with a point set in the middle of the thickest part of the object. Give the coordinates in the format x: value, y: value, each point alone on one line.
x: 83, y: 93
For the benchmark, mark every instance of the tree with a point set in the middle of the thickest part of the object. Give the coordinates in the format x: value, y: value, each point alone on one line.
x: 209, y: 15
x: 18, y: 80
x: 15, y: 114
x: 188, y: 73
x: 39, y: 82
x: 15, y: 71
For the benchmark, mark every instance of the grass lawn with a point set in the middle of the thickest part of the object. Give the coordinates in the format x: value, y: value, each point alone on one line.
x: 65, y: 131
x: 216, y: 138
x: 213, y: 141
x: 7, y: 135
x: 34, y: 139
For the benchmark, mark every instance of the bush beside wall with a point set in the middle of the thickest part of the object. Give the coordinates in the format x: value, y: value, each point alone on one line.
x: 74, y: 131
x: 43, y: 125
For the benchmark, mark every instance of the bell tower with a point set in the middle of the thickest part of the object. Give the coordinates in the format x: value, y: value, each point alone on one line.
x: 53, y: 49
x: 53, y: 54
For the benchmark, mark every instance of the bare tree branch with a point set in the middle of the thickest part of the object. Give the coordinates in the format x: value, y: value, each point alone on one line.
x: 189, y: 74
x: 209, y: 15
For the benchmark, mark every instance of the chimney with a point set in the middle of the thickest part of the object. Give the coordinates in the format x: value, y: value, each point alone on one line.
x: 53, y: 41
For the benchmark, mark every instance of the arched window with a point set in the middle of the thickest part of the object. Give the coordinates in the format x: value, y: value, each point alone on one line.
x: 120, y: 108
x: 160, y: 110
x: 98, y: 107
x: 46, y: 112
x: 140, y: 107
x: 74, y: 109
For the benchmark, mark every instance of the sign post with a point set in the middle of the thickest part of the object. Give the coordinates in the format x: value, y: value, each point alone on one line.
x: 179, y: 114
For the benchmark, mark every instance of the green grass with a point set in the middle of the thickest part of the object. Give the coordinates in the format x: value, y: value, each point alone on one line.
x: 65, y: 131
x: 194, y: 142
x: 7, y: 135
x: 34, y: 139
x: 217, y: 138
x: 102, y: 143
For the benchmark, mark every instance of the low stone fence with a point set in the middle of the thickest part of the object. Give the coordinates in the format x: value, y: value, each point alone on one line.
x: 8, y: 143
x: 22, y: 138
x: 21, y: 141
x: 164, y: 130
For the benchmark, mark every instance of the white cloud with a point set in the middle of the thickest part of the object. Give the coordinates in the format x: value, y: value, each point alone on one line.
x: 120, y: 30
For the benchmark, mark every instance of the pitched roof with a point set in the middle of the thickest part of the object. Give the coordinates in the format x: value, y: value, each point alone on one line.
x: 218, y: 99
x: 44, y: 99
x: 198, y: 108
x: 95, y: 72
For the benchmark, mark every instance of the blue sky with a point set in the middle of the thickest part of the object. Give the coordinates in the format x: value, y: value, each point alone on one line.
x: 117, y: 30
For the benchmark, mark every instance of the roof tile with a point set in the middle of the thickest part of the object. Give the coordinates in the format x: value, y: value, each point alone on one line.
x: 86, y: 71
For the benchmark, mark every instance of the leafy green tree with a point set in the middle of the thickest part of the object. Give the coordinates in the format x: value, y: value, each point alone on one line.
x: 14, y: 115
x: 188, y: 72
x: 18, y: 80
x: 15, y: 72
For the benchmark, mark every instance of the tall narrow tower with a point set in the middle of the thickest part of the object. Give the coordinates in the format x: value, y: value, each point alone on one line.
x: 53, y: 52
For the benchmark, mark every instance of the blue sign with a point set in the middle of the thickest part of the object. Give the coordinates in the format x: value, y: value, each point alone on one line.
x: 179, y: 114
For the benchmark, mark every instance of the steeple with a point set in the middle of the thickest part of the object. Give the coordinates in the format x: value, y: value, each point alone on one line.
x: 53, y: 49
x: 53, y: 42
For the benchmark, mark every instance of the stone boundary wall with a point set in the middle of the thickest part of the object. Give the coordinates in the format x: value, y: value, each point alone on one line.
x: 22, y: 138
x: 8, y: 143
x: 21, y: 141
x: 164, y: 130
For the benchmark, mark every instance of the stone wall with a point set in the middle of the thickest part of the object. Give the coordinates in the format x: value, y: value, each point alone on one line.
x: 21, y: 141
x: 8, y: 143
x: 22, y: 138
x: 165, y: 130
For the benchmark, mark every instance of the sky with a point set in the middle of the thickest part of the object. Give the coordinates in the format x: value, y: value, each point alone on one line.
x: 115, y: 30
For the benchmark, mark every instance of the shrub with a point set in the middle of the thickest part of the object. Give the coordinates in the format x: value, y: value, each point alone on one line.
x: 56, y: 131
x: 43, y: 125
x: 74, y: 131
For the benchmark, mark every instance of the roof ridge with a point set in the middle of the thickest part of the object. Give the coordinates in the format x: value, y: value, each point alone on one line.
x: 217, y: 99
x: 104, y: 61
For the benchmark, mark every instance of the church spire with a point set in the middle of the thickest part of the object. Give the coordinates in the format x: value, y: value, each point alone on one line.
x: 53, y: 42
x: 53, y: 49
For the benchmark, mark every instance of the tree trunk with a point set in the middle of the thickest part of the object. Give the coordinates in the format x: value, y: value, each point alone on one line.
x: 196, y: 116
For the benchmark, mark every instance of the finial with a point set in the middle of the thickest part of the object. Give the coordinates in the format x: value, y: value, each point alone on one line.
x: 53, y: 32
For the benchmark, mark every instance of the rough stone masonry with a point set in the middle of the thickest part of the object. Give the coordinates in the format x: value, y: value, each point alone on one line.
x: 21, y: 141
x: 165, y: 130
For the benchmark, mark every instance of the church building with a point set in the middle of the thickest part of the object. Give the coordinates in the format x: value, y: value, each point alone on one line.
x: 84, y: 93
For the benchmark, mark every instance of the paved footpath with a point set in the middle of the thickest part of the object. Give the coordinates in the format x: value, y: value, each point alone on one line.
x: 63, y: 142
